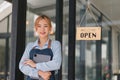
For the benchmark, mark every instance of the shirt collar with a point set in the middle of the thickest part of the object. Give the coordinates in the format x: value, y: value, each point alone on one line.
x: 37, y: 45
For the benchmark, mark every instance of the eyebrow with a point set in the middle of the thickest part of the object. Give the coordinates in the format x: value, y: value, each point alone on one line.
x: 40, y: 24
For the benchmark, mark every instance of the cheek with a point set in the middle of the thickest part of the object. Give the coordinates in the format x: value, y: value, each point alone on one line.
x: 48, y: 29
x: 36, y: 28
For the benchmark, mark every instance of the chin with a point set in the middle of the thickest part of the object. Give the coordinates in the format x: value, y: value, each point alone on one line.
x: 43, y: 36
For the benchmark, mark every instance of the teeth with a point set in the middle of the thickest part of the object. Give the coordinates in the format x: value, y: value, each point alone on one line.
x: 43, y: 33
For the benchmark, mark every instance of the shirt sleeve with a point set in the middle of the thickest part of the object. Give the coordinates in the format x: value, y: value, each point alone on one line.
x: 55, y: 63
x: 27, y: 70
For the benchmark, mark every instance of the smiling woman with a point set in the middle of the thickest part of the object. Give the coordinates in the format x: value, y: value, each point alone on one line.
x: 43, y: 57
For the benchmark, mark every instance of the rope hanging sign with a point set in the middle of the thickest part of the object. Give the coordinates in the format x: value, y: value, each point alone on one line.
x: 88, y: 33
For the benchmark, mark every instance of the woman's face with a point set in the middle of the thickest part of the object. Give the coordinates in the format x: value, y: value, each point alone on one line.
x: 43, y: 28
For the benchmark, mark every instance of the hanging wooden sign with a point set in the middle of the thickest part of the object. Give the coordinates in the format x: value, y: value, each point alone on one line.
x: 88, y: 33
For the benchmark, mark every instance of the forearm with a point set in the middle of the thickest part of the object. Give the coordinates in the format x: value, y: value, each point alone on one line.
x: 48, y: 66
x: 27, y: 70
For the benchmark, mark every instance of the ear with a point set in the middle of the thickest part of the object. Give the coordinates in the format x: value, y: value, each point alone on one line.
x: 50, y: 28
x: 35, y: 28
x: 51, y: 31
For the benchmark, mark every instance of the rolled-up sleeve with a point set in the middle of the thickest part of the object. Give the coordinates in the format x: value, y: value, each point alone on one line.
x: 27, y: 70
x: 55, y: 63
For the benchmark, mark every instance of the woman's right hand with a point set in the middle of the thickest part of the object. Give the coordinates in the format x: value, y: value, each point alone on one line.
x: 45, y: 75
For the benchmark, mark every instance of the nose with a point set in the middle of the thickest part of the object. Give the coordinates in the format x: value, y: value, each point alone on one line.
x: 42, y: 28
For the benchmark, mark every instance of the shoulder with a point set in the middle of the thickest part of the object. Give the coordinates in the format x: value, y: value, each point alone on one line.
x: 56, y: 47
x: 30, y: 45
x: 55, y: 42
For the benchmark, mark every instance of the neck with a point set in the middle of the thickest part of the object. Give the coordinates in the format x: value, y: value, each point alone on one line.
x: 43, y: 40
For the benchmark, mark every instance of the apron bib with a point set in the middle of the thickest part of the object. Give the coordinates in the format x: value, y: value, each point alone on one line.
x: 43, y: 55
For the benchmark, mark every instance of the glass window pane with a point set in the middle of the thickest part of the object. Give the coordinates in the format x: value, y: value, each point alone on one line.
x: 65, y: 42
x: 4, y: 58
x: 3, y: 26
x: 2, y: 55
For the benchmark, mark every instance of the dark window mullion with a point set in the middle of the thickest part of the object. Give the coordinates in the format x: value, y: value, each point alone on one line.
x: 82, y: 44
x: 4, y: 35
x: 71, y: 39
x: 59, y: 28
x: 7, y: 51
x: 99, y: 53
x: 110, y: 53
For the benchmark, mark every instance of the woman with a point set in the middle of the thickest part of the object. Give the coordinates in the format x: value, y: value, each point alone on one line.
x: 33, y: 62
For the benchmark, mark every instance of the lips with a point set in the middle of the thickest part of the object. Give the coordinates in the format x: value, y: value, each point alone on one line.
x: 42, y: 33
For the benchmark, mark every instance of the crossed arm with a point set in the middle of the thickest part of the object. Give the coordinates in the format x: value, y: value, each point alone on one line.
x: 34, y: 70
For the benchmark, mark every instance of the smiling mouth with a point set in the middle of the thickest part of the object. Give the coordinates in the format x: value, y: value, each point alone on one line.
x: 42, y: 33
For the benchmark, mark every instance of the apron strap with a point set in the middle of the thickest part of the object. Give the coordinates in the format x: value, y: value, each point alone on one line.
x: 49, y: 44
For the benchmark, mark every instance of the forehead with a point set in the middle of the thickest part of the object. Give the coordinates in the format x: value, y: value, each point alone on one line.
x: 42, y: 21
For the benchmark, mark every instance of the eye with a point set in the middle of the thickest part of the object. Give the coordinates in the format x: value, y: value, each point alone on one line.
x: 45, y: 26
x: 38, y: 26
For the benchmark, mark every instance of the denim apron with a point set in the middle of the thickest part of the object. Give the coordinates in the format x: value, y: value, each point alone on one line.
x: 44, y: 52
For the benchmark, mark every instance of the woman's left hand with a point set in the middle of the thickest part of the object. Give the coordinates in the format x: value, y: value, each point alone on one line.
x: 30, y: 63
